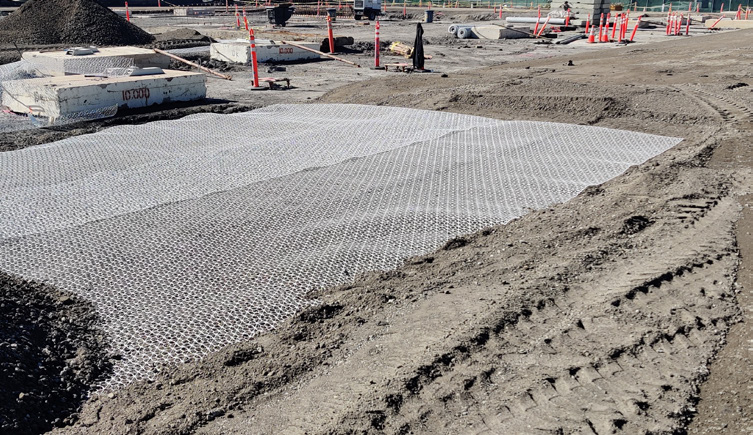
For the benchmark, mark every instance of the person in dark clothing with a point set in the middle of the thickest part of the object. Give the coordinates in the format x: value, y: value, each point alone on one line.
x: 566, y: 6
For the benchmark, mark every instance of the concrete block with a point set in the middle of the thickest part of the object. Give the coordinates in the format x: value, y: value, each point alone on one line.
x: 700, y: 18
x: 193, y: 12
x: 58, y: 63
x: 54, y: 97
x: 498, y: 32
x: 729, y: 23
x: 239, y: 51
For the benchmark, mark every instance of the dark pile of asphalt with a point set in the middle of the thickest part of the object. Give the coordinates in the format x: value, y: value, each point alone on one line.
x: 51, y: 353
x: 69, y: 22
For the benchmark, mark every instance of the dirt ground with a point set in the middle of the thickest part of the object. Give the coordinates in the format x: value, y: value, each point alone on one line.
x: 627, y: 309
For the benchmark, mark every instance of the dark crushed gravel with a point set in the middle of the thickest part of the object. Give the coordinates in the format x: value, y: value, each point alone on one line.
x: 69, y: 22
x: 51, y: 353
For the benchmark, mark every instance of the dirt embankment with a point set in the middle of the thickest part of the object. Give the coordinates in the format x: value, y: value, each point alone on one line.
x: 69, y: 22
x: 600, y: 315
x: 51, y: 352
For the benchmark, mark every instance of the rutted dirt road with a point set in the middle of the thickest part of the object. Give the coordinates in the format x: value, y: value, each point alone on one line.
x: 596, y: 316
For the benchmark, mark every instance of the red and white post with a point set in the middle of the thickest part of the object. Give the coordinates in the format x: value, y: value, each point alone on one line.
x: 635, y: 29
x: 254, y: 66
x: 330, y: 35
x: 376, y: 44
x: 128, y: 12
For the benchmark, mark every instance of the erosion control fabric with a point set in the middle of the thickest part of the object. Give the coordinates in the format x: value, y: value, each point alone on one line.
x: 192, y: 234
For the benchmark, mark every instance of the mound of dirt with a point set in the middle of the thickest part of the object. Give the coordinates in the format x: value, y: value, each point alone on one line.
x: 182, y: 35
x: 51, y: 352
x: 69, y: 22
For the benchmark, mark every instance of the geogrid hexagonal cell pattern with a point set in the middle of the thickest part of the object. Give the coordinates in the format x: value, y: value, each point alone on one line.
x: 192, y: 234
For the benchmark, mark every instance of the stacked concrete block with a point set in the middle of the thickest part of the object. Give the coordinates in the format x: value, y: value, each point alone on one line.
x: 582, y: 8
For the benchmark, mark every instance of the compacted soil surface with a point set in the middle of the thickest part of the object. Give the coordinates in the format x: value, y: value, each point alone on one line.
x: 625, y: 310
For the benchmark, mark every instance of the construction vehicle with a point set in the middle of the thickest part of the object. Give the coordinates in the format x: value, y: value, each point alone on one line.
x: 367, y: 8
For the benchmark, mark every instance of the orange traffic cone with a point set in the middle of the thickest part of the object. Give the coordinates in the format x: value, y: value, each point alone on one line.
x: 591, y: 36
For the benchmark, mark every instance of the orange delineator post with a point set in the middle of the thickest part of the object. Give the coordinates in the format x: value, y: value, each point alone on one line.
x: 536, y: 28
x: 500, y: 12
x: 716, y: 22
x: 687, y: 26
x: 330, y: 35
x: 128, y: 13
x: 376, y: 44
x: 605, y: 36
x: 159, y: 3
x: 601, y: 25
x: 544, y: 26
x: 588, y: 23
x: 739, y: 12
x: 635, y: 29
x: 669, y: 23
x: 614, y: 27
x: 254, y: 66
x: 721, y: 9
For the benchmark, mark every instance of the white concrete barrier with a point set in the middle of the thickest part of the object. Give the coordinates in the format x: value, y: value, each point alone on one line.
x: 193, y: 12
x: 238, y: 51
x: 54, y: 97
x: 58, y: 63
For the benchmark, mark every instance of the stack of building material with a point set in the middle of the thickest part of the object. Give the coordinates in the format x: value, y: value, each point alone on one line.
x: 583, y: 8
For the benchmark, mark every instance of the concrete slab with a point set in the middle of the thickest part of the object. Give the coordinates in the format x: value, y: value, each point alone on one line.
x: 499, y: 32
x: 58, y: 63
x: 239, y: 51
x: 193, y: 12
x: 728, y: 23
x: 54, y: 97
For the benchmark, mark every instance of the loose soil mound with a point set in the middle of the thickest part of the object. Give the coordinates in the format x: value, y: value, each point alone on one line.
x: 50, y: 354
x: 69, y: 22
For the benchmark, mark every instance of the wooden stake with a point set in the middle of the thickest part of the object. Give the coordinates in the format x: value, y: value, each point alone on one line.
x: 195, y: 65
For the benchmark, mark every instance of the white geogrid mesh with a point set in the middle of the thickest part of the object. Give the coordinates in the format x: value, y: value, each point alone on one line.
x: 192, y: 234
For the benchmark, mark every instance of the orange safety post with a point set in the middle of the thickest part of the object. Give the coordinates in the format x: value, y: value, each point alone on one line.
x: 376, y: 45
x: 536, y: 28
x: 601, y: 25
x: 588, y: 23
x: 567, y: 17
x: 721, y: 9
x: 254, y: 65
x: 330, y: 35
x: 716, y: 22
x: 635, y: 29
x: 544, y: 26
x: 669, y: 23
x: 614, y: 27
x: 687, y: 26
x: 739, y: 11
x: 128, y: 13
x: 159, y: 3
x: 500, y: 12
x: 605, y: 36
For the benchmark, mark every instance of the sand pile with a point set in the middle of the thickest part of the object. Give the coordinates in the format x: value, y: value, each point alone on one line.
x: 69, y: 22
